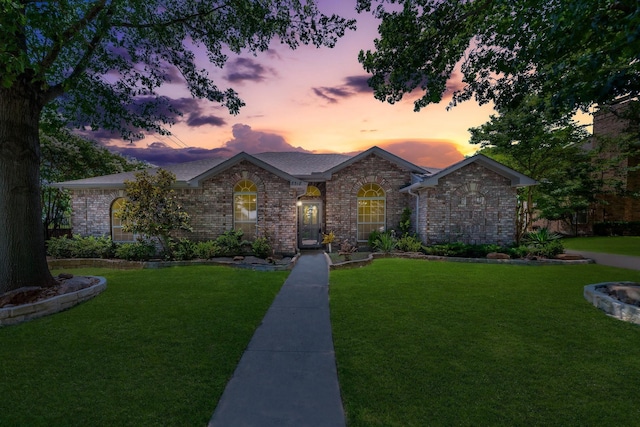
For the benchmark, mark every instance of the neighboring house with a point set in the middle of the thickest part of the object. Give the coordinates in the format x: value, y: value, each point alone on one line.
x: 624, y: 206
x: 293, y: 198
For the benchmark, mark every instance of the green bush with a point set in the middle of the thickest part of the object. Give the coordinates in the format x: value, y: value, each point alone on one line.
x: 464, y: 250
x: 409, y: 243
x: 138, y: 251
x: 386, y: 242
x: 548, y: 250
x: 206, y: 250
x: 81, y: 247
x: 231, y: 243
x: 183, y: 249
x: 261, y: 247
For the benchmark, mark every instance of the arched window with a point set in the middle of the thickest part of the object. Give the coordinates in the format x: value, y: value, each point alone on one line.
x: 371, y: 210
x: 245, y: 210
x: 313, y: 191
x: 117, y: 235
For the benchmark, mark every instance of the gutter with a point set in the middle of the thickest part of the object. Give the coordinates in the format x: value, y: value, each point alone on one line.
x: 417, y: 196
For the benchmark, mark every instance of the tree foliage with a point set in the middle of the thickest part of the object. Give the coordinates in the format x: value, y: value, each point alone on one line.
x: 570, y: 53
x: 66, y: 157
x: 102, y: 64
x: 551, y: 151
x: 152, y: 207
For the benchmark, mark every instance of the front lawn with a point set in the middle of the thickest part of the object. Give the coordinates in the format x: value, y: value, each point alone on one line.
x: 623, y: 245
x: 156, y: 348
x: 435, y: 343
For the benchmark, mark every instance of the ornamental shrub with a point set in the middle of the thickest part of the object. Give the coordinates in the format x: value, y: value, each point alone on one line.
x: 138, y: 251
x: 81, y: 247
x: 261, y: 247
x: 206, y: 250
x: 409, y: 243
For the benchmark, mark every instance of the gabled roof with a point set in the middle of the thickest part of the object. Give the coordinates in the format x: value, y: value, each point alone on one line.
x: 290, y: 166
x: 302, y: 164
x: 195, y: 181
x: 381, y: 153
x: 517, y: 179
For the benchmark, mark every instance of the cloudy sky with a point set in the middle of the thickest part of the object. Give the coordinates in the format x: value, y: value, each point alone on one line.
x: 310, y: 99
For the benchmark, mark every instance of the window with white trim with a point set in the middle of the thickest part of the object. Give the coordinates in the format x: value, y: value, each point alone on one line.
x: 371, y: 210
x: 117, y: 234
x: 245, y: 207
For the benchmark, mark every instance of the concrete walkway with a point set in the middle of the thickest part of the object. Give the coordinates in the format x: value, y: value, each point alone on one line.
x: 613, y: 260
x: 287, y: 375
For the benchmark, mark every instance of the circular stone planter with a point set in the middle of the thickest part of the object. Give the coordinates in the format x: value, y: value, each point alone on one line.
x: 22, y: 313
x: 596, y: 295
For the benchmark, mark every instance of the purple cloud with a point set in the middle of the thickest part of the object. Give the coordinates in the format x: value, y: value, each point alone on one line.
x: 160, y: 154
x: 246, y: 69
x: 353, y: 85
x: 252, y: 141
x: 196, y: 121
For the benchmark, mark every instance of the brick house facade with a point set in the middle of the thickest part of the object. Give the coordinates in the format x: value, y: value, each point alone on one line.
x: 293, y: 198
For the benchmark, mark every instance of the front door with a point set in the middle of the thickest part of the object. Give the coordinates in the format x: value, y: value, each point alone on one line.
x: 310, y: 224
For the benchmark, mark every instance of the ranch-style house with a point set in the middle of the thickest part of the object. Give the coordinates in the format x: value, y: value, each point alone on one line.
x: 294, y: 197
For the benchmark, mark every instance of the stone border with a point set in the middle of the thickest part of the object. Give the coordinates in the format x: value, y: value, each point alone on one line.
x: 611, y: 306
x: 25, y: 312
x: 119, y: 264
x: 421, y: 256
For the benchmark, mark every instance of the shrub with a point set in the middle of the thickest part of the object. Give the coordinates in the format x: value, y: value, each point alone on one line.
x: 231, y: 243
x: 59, y: 247
x: 409, y: 243
x: 373, y: 237
x: 183, y: 249
x: 346, y: 249
x: 386, y: 242
x: 206, y: 250
x: 464, y: 250
x: 138, y: 251
x: 261, y: 247
x: 81, y: 247
x: 548, y: 250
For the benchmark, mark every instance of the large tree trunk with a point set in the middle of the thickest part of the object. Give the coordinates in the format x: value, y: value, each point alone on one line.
x: 23, y: 259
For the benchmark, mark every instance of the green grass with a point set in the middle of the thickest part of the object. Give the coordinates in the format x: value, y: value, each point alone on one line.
x: 431, y: 343
x: 156, y: 348
x: 623, y: 245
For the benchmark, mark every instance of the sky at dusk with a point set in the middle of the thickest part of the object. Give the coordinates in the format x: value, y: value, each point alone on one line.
x: 309, y: 99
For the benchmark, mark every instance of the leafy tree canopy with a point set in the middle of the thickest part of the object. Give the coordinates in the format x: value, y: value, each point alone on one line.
x: 570, y: 53
x: 550, y: 150
x: 100, y: 62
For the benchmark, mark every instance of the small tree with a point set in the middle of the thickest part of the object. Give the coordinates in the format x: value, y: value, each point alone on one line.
x: 152, y: 207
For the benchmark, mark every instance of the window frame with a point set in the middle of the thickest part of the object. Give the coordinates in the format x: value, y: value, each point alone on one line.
x: 366, y: 201
x: 244, y: 189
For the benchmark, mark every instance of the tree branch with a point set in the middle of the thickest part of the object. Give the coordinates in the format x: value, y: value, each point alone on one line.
x: 170, y: 22
x: 91, y: 14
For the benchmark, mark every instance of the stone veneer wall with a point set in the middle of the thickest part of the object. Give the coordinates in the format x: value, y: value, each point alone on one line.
x: 342, y: 195
x: 471, y: 205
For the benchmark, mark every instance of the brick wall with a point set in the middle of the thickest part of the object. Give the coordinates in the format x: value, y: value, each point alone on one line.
x: 342, y: 192
x: 90, y: 211
x: 471, y: 205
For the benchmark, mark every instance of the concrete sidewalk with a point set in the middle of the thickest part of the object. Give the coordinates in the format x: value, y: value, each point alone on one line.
x: 613, y: 260
x: 287, y: 375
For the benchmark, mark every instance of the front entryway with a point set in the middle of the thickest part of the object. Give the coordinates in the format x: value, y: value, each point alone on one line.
x: 310, y: 224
